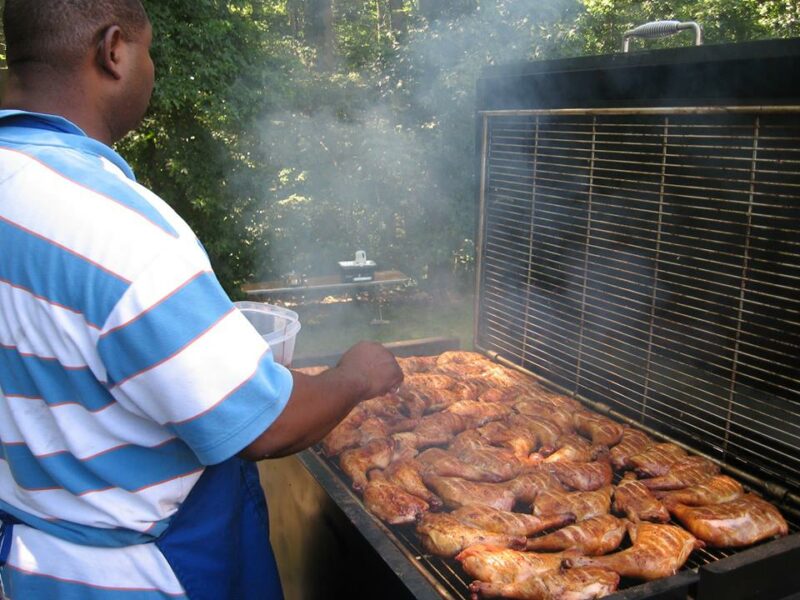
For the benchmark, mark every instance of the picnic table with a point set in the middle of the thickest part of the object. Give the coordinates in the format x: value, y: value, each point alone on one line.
x: 328, y: 285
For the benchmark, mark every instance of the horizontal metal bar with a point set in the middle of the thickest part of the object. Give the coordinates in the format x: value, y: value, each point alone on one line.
x: 649, y: 110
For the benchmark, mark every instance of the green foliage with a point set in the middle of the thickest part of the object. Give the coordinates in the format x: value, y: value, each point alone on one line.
x: 283, y: 160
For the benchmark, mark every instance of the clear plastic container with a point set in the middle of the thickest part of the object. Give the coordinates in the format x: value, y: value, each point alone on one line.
x: 278, y: 326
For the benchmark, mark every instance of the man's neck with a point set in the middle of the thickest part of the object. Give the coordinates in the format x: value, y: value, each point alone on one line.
x: 34, y: 90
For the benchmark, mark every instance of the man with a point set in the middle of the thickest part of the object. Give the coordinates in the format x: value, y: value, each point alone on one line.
x: 131, y: 390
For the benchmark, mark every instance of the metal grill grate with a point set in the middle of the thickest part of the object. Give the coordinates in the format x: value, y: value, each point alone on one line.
x: 649, y: 259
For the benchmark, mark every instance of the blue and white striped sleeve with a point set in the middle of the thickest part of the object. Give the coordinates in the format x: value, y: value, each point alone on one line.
x: 178, y: 352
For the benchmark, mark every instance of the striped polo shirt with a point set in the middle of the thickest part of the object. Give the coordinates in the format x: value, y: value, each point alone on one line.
x: 124, y: 367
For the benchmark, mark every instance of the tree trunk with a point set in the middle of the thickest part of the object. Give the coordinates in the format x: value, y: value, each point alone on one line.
x: 320, y: 33
x: 399, y: 23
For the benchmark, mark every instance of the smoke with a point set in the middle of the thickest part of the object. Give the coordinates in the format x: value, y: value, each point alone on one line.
x: 386, y: 162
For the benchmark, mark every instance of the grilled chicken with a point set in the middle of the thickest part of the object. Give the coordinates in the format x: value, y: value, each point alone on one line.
x: 546, y: 432
x: 599, y: 429
x: 637, y: 502
x: 598, y: 535
x: 656, y: 460
x: 444, y: 535
x: 507, y: 394
x: 536, y: 408
x: 574, y: 448
x: 527, y: 487
x: 692, y: 470
x: 716, y: 490
x: 477, y: 413
x: 573, y: 584
x: 435, y: 390
x: 434, y: 430
x: 405, y: 473
x: 583, y: 476
x: 633, y: 442
x: 391, y: 503
x: 500, y: 433
x: 416, y: 364
x: 375, y: 455
x: 503, y: 565
x: 477, y: 464
x: 584, y: 505
x: 740, y: 522
x: 657, y: 551
x: 510, y: 523
x: 456, y: 492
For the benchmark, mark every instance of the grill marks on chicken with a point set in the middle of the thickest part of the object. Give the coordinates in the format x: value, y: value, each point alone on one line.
x: 691, y: 470
x: 502, y: 565
x: 657, y: 459
x: 658, y: 551
x: 716, y: 490
x: 484, y: 463
x: 443, y: 534
x: 573, y: 584
x: 586, y: 477
x: 633, y: 442
x: 391, y: 503
x: 595, y: 536
x: 584, y: 505
x: 510, y: 523
x: 456, y: 492
x: 637, y: 502
x: 600, y: 430
x: 740, y: 522
x: 375, y: 455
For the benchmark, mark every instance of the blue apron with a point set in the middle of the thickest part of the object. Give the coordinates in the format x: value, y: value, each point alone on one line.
x: 218, y: 542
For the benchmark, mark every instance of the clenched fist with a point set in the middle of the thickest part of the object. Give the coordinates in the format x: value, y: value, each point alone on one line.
x: 374, y: 367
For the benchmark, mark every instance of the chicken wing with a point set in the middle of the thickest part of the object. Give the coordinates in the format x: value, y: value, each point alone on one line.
x: 741, y: 522
x: 658, y: 551
x: 595, y: 536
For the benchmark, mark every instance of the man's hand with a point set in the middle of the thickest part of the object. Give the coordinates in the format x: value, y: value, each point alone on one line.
x: 373, y: 369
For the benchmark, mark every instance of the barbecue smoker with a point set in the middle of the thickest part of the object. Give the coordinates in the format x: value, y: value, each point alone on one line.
x: 639, y: 248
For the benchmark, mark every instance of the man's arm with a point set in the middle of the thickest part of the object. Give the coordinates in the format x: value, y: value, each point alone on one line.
x: 318, y: 403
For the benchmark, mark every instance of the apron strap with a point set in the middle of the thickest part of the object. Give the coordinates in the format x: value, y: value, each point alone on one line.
x: 7, y: 523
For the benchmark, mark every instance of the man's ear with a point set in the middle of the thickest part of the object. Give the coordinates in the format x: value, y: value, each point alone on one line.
x: 110, y: 50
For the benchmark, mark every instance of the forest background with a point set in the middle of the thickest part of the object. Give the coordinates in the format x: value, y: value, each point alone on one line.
x: 290, y: 133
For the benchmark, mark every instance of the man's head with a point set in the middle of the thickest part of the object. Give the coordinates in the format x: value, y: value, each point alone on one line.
x: 102, y: 46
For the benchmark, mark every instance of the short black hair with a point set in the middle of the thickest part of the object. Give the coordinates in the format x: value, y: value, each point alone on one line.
x: 59, y: 32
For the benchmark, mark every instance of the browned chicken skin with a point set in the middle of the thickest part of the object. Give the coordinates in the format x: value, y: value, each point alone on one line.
x: 583, y: 476
x: 375, y: 455
x: 444, y: 535
x: 456, y: 492
x: 637, y: 502
x: 479, y: 464
x: 434, y: 430
x: 536, y: 408
x: 657, y: 459
x: 584, y: 505
x: 691, y: 470
x: 716, y: 490
x: 527, y: 487
x: 741, y: 522
x: 502, y: 565
x: 546, y: 432
x: 510, y: 523
x: 572, y: 584
x: 633, y: 442
x: 405, y: 473
x: 391, y: 503
x: 477, y: 413
x: 658, y: 551
x: 601, y: 430
x: 595, y: 536
x: 574, y: 448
